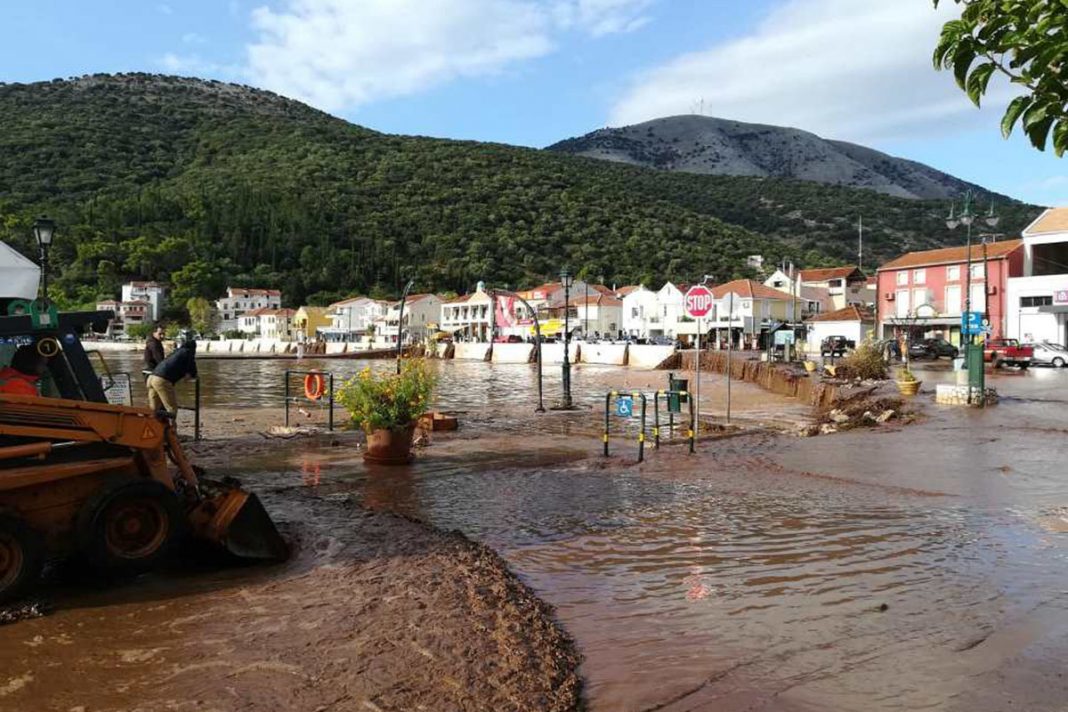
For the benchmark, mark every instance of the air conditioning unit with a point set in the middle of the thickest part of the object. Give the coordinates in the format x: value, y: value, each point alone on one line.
x: 889, y: 296
x: 992, y: 290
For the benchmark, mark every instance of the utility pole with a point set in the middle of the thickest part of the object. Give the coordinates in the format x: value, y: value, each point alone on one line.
x: 860, y: 243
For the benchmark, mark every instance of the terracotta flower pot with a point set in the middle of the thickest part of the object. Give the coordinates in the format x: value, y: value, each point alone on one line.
x: 908, y: 388
x: 390, y: 446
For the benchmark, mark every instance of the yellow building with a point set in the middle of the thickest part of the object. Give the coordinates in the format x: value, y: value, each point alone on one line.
x: 308, y: 319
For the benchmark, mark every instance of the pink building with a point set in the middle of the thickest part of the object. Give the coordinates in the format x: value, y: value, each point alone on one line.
x: 927, y: 289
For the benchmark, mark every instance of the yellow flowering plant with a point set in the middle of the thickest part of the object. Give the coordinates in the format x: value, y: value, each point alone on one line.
x: 388, y: 401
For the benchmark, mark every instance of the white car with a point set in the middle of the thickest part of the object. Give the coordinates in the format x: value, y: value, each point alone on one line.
x: 1047, y: 354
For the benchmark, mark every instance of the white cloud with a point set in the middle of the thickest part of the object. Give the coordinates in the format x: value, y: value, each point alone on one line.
x: 191, y: 64
x: 602, y: 17
x: 341, y: 54
x: 849, y: 69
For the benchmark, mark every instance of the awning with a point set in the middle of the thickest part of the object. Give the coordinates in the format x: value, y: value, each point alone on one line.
x: 18, y: 275
x: 550, y: 327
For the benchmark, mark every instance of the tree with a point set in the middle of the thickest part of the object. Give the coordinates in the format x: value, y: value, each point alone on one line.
x: 201, y: 315
x: 139, y: 332
x: 1024, y: 40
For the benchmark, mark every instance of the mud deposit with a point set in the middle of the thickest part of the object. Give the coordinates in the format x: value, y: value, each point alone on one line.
x: 375, y: 612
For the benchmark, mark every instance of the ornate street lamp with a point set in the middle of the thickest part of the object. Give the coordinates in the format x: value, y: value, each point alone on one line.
x: 566, y: 279
x: 43, y: 231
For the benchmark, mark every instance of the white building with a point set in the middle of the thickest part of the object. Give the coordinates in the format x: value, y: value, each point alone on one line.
x: 421, y: 315
x: 600, y: 315
x: 1036, y: 304
x: 350, y: 318
x: 127, y: 314
x: 151, y: 292
x: 853, y: 322
x: 744, y: 309
x: 673, y: 319
x: 825, y: 289
x: 641, y: 313
x: 239, y: 300
x: 267, y: 323
x: 469, y: 317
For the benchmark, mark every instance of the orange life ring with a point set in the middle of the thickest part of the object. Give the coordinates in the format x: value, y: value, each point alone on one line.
x: 314, y: 386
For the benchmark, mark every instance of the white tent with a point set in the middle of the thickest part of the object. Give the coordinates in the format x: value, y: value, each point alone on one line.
x: 19, y: 276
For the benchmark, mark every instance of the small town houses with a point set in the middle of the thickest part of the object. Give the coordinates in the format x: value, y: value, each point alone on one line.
x: 1019, y: 285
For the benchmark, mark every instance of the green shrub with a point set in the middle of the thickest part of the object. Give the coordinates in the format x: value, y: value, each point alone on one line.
x: 866, y: 362
x: 388, y: 401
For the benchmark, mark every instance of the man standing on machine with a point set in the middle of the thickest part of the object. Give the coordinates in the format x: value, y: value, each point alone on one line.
x: 180, y: 364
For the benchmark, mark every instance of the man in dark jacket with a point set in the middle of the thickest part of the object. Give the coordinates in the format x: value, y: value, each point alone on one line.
x: 180, y: 364
x: 154, y: 354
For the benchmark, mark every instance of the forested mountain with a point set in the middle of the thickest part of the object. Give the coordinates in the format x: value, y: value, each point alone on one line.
x: 203, y: 184
x: 711, y: 146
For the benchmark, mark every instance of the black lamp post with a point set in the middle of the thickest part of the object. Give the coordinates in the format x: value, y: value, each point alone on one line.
x: 43, y: 231
x: 567, y: 280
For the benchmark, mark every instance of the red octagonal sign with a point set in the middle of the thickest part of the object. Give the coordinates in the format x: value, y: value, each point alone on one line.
x: 698, y: 302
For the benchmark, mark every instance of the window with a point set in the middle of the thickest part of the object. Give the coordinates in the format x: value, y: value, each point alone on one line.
x: 919, y: 298
x: 1043, y: 301
x: 978, y: 297
x: 977, y: 271
x: 919, y: 276
x: 953, y: 273
x: 901, y: 300
x: 902, y: 277
x: 953, y: 299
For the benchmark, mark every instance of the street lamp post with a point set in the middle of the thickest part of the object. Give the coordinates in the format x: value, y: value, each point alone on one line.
x: 967, y: 218
x: 43, y: 231
x: 567, y: 280
x: 400, y: 322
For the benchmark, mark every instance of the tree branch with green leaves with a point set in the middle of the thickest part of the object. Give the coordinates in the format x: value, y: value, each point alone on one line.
x: 1027, y: 42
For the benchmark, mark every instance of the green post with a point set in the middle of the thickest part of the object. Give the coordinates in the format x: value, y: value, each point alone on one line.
x: 973, y: 355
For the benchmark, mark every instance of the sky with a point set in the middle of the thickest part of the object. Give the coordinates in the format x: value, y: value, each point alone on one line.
x: 533, y: 72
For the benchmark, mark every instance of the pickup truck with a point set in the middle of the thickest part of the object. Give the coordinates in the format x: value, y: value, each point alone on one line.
x: 836, y: 346
x: 1007, y: 352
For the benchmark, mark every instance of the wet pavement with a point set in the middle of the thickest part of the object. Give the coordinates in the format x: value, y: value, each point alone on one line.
x: 915, y: 567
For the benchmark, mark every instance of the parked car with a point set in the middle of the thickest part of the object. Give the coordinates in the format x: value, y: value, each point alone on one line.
x: 932, y: 349
x: 836, y: 346
x: 1047, y: 354
x: 1007, y: 352
x: 662, y: 340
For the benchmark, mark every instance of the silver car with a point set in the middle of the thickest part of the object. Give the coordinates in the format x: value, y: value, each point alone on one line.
x: 1047, y: 354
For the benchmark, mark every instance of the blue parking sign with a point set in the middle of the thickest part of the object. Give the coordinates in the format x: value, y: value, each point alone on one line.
x: 625, y: 406
x: 971, y: 323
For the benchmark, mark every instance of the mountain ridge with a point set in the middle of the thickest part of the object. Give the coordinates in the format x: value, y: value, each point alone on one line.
x: 706, y: 145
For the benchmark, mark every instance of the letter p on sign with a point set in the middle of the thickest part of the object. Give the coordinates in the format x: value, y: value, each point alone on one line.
x: 698, y: 301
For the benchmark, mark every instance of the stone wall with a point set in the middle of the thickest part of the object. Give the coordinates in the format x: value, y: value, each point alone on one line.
x: 946, y: 394
x: 771, y: 377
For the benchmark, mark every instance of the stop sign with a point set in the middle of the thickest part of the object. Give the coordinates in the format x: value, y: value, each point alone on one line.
x: 698, y: 301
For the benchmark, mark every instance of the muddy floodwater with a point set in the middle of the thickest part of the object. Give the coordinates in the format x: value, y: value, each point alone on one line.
x: 910, y: 567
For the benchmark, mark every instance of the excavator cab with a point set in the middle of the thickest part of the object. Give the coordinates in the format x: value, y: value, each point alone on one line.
x: 107, y: 484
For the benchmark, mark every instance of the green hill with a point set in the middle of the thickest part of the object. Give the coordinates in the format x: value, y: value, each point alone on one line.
x: 204, y: 184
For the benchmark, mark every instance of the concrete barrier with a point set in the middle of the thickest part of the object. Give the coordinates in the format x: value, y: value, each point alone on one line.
x: 471, y: 351
x: 608, y: 354
x: 334, y: 347
x: 648, y: 355
x: 513, y: 353
x: 442, y: 349
x: 554, y: 353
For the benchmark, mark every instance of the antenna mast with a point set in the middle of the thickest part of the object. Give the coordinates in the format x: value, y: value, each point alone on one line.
x: 860, y: 244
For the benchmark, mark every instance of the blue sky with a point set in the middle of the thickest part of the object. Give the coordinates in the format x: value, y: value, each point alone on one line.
x: 531, y: 72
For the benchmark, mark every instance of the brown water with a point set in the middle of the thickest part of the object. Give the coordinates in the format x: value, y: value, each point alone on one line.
x: 915, y: 568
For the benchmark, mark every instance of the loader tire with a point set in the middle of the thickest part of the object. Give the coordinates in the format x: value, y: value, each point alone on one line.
x: 21, y: 557
x: 128, y: 527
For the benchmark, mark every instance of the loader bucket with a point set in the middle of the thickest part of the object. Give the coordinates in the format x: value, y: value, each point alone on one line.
x: 236, y: 521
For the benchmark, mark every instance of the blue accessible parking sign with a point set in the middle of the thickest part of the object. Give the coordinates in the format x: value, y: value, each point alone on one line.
x: 971, y: 323
x: 625, y: 406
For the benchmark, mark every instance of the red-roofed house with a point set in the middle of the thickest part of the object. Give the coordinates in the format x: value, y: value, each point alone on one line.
x: 853, y: 322
x: 745, y: 309
x: 925, y: 291
x: 1037, y: 298
x: 469, y: 317
x: 832, y: 287
x: 598, y: 314
x: 422, y: 314
x: 240, y: 300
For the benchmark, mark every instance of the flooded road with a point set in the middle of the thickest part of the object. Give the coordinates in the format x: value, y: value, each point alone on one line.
x: 911, y: 568
x: 918, y: 567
